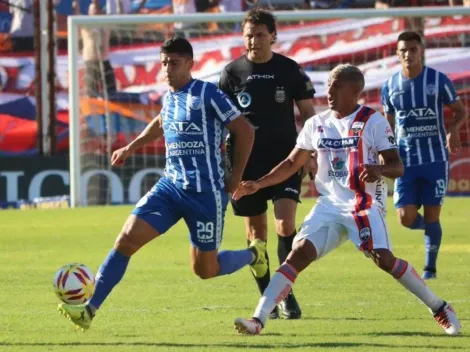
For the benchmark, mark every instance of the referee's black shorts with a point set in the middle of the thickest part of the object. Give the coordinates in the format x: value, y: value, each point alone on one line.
x: 257, y: 203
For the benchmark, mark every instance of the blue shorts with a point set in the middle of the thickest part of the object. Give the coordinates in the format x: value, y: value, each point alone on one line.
x: 165, y: 204
x: 422, y: 185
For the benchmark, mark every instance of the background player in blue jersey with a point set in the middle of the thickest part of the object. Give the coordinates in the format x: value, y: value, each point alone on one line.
x: 193, y: 116
x: 414, y: 100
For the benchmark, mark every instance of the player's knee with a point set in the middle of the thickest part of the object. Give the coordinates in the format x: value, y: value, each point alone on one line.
x: 384, y: 259
x: 285, y: 227
x: 126, y: 244
x: 407, y: 218
x: 302, y: 254
x: 204, y: 273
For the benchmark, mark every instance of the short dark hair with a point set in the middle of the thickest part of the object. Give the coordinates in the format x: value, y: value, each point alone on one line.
x: 257, y: 16
x: 409, y: 36
x: 177, y: 45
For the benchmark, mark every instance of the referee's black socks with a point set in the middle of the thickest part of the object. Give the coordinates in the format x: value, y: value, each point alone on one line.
x: 284, y: 246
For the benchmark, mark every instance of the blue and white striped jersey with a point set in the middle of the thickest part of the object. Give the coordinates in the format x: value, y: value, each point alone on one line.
x: 194, y: 118
x: 418, y: 105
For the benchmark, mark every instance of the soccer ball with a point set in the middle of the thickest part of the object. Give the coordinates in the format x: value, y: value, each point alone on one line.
x: 74, y: 283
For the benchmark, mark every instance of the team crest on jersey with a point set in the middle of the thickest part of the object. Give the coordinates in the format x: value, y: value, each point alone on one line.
x: 364, y: 234
x: 280, y: 95
x: 195, y: 103
x: 320, y: 129
x: 244, y: 99
x: 431, y: 89
x: 357, y: 126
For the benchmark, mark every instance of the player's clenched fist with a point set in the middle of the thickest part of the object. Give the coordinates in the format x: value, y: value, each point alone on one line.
x: 119, y: 156
x: 246, y: 188
x: 371, y: 173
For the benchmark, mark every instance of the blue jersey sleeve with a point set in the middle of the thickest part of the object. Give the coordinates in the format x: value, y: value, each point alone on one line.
x: 388, y: 107
x: 221, y: 106
x: 447, y: 90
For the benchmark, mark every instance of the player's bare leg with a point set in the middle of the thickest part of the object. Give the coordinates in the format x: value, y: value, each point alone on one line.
x: 134, y: 235
x: 284, y: 213
x: 406, y: 275
x: 256, y: 227
x: 281, y: 284
x: 409, y: 217
x: 209, y: 264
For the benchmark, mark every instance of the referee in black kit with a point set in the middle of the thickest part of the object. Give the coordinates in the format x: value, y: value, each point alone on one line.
x: 265, y: 85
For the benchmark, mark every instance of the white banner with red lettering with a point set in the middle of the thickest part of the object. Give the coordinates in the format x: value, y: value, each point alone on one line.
x: 137, y: 68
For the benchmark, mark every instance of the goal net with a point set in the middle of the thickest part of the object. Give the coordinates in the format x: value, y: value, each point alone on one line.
x: 116, y: 86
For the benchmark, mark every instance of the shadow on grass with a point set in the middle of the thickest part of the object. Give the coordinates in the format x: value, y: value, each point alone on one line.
x: 412, y: 334
x: 359, y: 319
x: 228, y: 345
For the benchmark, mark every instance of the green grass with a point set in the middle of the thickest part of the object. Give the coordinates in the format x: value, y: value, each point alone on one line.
x: 348, y: 304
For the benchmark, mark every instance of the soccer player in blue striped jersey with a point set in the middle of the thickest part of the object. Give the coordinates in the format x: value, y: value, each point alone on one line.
x: 414, y: 101
x: 193, y: 117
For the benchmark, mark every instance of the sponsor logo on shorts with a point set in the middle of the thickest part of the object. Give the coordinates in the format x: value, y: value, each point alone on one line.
x: 291, y: 190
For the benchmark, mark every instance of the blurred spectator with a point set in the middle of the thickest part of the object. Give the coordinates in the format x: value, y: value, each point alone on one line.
x: 22, y: 25
x: 465, y: 3
x: 211, y: 6
x: 231, y: 5
x: 323, y: 4
x: 120, y: 7
x: 99, y: 74
x: 182, y: 7
x: 415, y: 24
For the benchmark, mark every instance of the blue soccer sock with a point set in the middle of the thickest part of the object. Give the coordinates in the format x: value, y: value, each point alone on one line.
x: 432, y: 241
x: 231, y: 261
x: 418, y: 224
x: 110, y: 273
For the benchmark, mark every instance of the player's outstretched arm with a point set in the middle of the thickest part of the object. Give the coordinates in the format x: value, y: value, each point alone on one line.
x: 392, y: 167
x: 152, y: 132
x: 244, y: 136
x: 288, y: 167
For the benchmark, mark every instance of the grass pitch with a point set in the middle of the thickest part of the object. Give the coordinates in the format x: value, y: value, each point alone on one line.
x: 348, y: 304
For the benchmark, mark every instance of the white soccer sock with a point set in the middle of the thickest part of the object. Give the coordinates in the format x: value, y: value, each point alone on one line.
x: 279, y: 287
x: 406, y: 275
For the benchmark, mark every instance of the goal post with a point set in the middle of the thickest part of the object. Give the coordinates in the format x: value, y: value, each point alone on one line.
x: 92, y: 119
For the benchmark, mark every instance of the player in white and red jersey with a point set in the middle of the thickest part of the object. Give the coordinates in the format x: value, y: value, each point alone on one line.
x: 348, y: 139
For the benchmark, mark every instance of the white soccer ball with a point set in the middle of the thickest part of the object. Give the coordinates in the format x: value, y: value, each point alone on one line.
x: 74, y: 283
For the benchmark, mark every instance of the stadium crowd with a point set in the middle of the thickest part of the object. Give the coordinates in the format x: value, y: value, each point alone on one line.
x: 17, y: 20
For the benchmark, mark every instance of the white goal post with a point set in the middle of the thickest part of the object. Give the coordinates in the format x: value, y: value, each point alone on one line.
x: 78, y: 183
